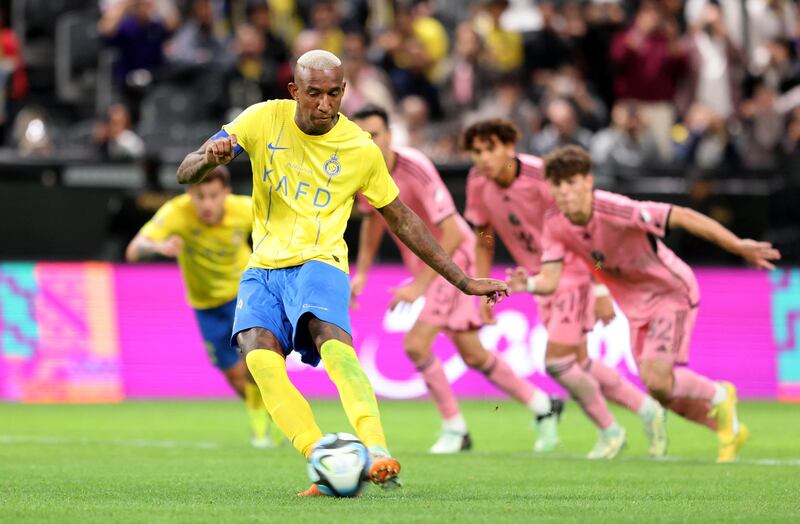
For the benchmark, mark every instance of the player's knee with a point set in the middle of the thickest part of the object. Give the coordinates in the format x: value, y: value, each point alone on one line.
x: 557, y: 367
x: 475, y: 359
x: 257, y: 338
x: 658, y: 384
x: 415, y: 349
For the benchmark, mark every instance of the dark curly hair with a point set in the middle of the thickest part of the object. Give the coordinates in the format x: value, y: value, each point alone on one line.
x: 220, y: 173
x: 504, y: 130
x: 566, y: 162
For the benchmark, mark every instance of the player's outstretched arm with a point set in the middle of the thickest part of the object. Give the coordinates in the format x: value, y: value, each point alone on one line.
x: 410, y: 229
x: 543, y: 283
x: 484, y: 256
x: 143, y: 247
x: 484, y: 250
x: 214, y: 152
x: 759, y: 254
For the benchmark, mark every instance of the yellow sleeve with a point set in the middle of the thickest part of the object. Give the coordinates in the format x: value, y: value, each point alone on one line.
x: 246, y: 125
x: 379, y: 188
x: 163, y: 224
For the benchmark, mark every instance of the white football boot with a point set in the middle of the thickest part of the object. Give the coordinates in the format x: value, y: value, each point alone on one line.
x: 655, y: 426
x: 451, y: 442
x: 608, y: 446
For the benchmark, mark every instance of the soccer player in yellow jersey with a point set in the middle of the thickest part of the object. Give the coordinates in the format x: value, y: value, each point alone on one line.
x: 206, y: 229
x: 308, y: 162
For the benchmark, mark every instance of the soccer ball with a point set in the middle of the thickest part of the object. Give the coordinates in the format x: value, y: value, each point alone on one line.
x: 339, y: 465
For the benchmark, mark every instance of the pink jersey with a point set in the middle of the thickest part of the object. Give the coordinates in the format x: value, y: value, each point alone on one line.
x: 516, y: 213
x: 424, y: 192
x: 622, y: 242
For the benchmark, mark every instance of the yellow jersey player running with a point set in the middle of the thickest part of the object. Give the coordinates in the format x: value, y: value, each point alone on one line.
x: 206, y: 229
x: 308, y: 162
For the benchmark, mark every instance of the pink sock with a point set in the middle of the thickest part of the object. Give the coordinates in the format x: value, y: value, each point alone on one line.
x: 583, y: 388
x: 500, y: 374
x: 688, y: 384
x: 614, y: 387
x: 440, y: 390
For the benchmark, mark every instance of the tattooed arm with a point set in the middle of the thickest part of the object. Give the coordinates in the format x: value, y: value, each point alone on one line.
x: 410, y: 229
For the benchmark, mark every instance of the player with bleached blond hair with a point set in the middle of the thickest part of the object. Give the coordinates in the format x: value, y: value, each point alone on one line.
x: 308, y: 162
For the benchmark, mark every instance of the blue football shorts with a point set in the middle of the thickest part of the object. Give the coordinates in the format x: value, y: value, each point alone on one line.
x: 215, y: 326
x: 282, y: 301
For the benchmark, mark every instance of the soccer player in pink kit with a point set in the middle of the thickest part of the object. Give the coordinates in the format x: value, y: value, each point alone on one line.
x: 422, y: 190
x: 657, y: 291
x: 507, y: 194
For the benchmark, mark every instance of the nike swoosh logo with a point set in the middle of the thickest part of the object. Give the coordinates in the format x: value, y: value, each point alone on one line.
x: 266, y: 174
x: 275, y: 148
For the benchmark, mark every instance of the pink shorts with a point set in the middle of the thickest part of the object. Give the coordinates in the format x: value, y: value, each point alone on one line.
x: 568, y: 314
x: 446, y: 306
x: 665, y: 336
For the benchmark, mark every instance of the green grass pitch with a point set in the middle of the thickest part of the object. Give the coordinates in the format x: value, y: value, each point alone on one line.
x: 191, y: 462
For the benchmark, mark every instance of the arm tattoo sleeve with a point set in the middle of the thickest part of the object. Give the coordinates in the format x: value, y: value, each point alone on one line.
x: 410, y: 229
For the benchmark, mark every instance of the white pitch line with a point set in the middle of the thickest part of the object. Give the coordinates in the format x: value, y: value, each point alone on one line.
x: 133, y: 443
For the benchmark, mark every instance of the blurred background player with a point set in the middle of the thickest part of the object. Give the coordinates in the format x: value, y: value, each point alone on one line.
x: 308, y: 161
x: 207, y: 229
x: 446, y: 308
x: 507, y: 194
x: 657, y: 291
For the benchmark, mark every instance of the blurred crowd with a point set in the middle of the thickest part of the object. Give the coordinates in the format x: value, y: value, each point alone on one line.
x: 711, y: 84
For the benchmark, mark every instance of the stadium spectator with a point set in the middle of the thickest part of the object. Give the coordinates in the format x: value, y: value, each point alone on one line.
x: 603, y: 20
x: 763, y: 127
x: 138, y: 32
x: 506, y: 100
x: 704, y: 141
x: 250, y: 79
x: 790, y: 146
x: 259, y: 15
x: 768, y: 20
x: 562, y: 129
x: 650, y: 62
x: 366, y: 83
x: 731, y: 11
x: 114, y: 138
x: 325, y: 19
x: 568, y: 83
x: 547, y: 48
x: 464, y: 79
x: 504, y: 49
x: 437, y: 140
x: 628, y: 142
x: 781, y: 69
x: 13, y: 75
x: 716, y: 65
x: 195, y: 44
x: 415, y: 50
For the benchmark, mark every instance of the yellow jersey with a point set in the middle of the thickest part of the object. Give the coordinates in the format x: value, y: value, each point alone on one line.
x: 304, y: 185
x: 213, y: 257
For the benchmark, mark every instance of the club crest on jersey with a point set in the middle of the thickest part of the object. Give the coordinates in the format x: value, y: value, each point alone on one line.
x: 332, y: 166
x: 599, y: 260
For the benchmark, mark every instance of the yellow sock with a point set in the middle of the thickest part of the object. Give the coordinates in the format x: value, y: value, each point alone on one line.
x: 355, y: 391
x: 285, y: 404
x: 256, y: 411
